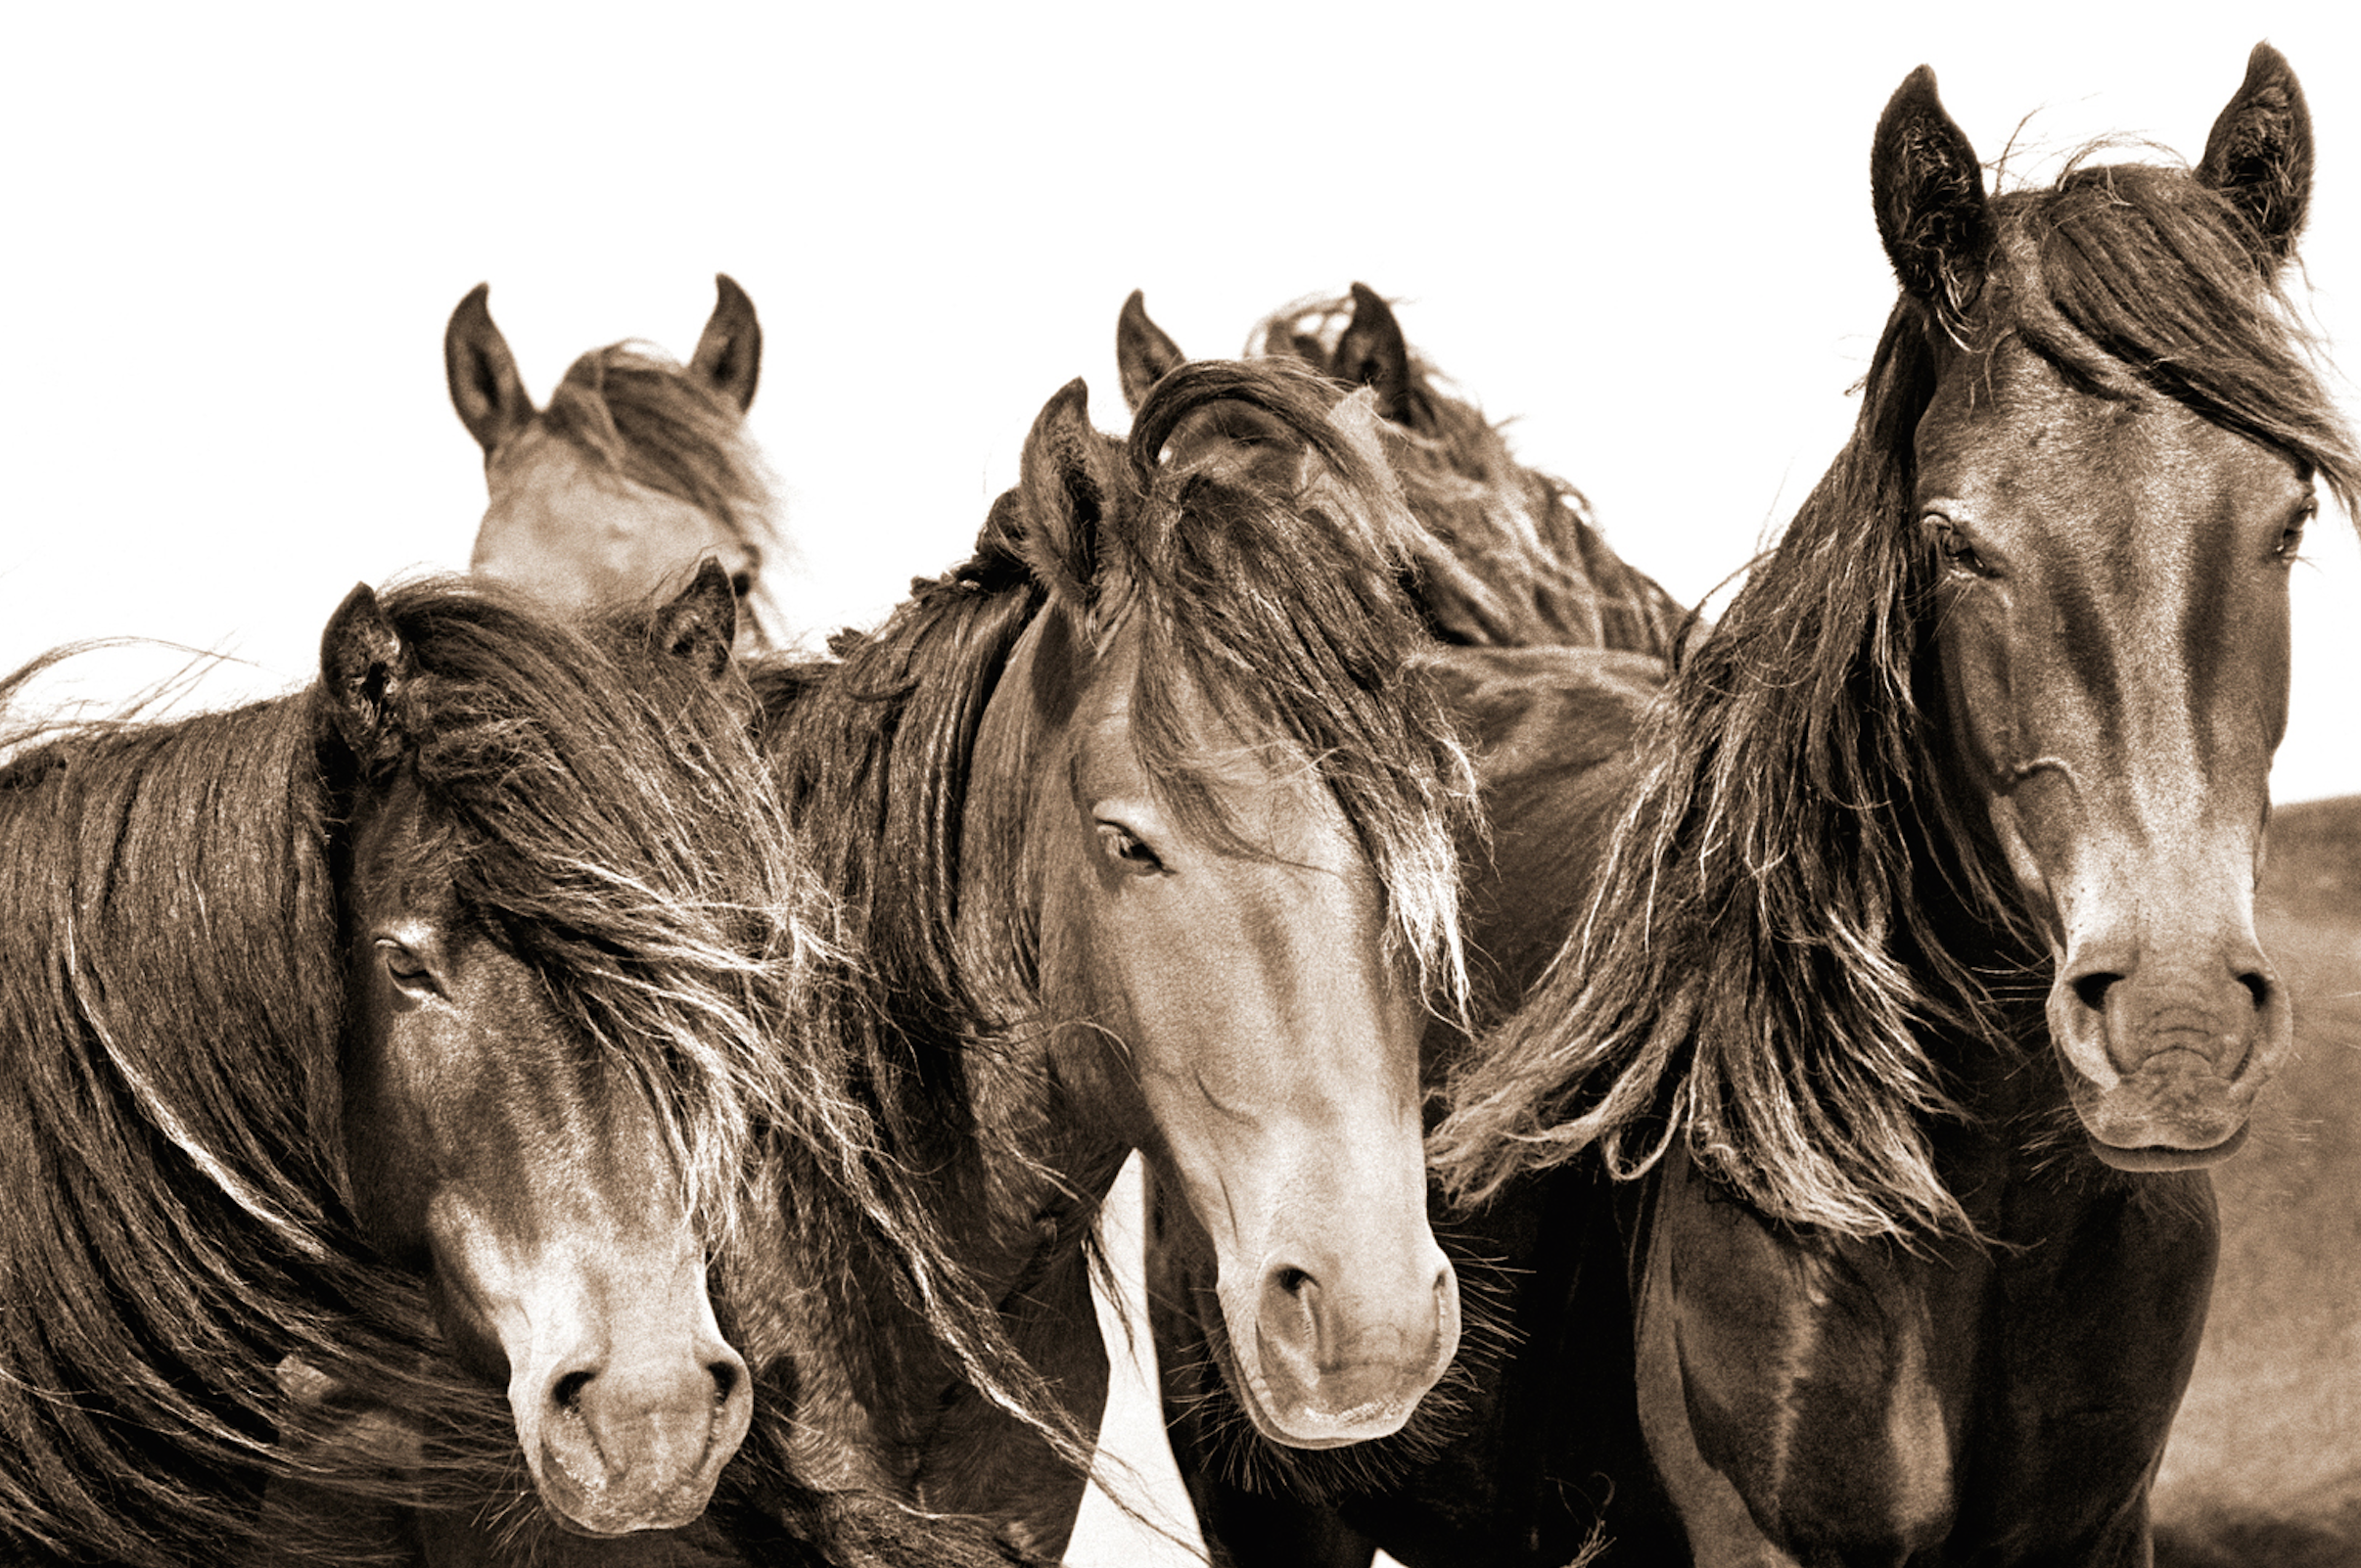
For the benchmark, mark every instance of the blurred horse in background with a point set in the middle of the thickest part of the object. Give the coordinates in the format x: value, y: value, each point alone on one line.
x: 636, y: 471
x: 1514, y: 556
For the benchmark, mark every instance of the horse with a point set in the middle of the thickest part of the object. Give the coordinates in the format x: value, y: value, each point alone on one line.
x: 1142, y: 818
x: 1946, y: 990
x: 1516, y: 559
x: 636, y: 471
x: 409, y: 1034
x: 1550, y: 649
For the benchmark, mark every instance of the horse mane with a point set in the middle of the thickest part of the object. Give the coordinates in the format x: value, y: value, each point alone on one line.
x: 1800, y: 919
x: 1311, y: 644
x: 638, y: 415
x: 1522, y: 560
x: 173, y: 989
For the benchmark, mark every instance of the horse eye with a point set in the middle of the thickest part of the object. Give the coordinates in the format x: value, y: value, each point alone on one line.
x: 1127, y: 848
x: 741, y: 583
x: 1959, y: 555
x: 406, y: 968
x: 2291, y: 539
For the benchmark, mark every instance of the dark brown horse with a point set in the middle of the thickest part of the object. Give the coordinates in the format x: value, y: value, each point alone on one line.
x: 1944, y: 856
x: 1142, y: 820
x: 407, y: 1035
x: 636, y: 471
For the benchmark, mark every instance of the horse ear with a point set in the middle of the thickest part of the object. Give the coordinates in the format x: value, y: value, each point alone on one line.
x: 1928, y: 191
x: 1372, y: 352
x: 1063, y: 485
x: 700, y: 625
x: 482, y: 374
x: 2259, y: 154
x: 364, y: 666
x: 730, y: 352
x: 1143, y: 355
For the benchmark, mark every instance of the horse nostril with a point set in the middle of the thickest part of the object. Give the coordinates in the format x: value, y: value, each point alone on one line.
x: 2090, y: 990
x: 725, y: 1380
x: 566, y: 1392
x: 1291, y: 1280
x: 2258, y: 987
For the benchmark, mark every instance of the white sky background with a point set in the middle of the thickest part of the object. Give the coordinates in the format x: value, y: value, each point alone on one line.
x: 234, y: 235
x: 236, y: 232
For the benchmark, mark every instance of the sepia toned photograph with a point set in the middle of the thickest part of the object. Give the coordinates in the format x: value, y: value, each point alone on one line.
x: 1250, y: 785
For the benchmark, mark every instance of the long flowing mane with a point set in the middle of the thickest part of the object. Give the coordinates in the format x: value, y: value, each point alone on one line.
x: 171, y: 1010
x: 639, y: 416
x: 1282, y: 607
x: 1523, y: 562
x: 1799, y: 919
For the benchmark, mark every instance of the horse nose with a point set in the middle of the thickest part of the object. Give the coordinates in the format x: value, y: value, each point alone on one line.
x: 1344, y: 1366
x: 2219, y: 1010
x: 637, y: 1445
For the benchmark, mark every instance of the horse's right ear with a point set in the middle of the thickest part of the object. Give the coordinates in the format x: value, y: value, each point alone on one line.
x: 700, y: 625
x: 1064, y: 483
x: 1928, y: 191
x: 730, y: 352
x: 1143, y: 355
x: 1372, y: 352
x: 364, y: 667
x: 482, y: 374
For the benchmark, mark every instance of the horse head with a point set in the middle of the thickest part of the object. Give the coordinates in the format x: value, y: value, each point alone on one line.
x: 636, y: 471
x: 2113, y: 476
x: 1232, y: 809
x: 522, y: 1121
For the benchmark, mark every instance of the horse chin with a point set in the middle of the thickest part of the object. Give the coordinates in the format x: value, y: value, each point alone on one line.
x: 2152, y: 1158
x: 605, y: 1509
x: 1344, y: 1407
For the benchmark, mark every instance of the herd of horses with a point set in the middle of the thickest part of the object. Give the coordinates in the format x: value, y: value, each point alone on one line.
x: 577, y: 1084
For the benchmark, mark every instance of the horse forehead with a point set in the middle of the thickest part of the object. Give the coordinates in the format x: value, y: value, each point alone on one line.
x: 2027, y: 449
x: 565, y: 527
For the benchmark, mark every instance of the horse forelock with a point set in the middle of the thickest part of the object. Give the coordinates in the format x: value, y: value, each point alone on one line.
x: 606, y: 816
x: 2131, y: 278
x: 1277, y: 602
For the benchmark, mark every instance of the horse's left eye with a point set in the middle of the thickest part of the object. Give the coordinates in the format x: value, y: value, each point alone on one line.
x: 2290, y: 537
x: 1959, y: 555
x: 1128, y: 848
x: 408, y: 969
x: 741, y: 583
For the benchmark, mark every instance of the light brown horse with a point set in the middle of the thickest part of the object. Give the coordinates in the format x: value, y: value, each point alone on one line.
x: 636, y: 471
